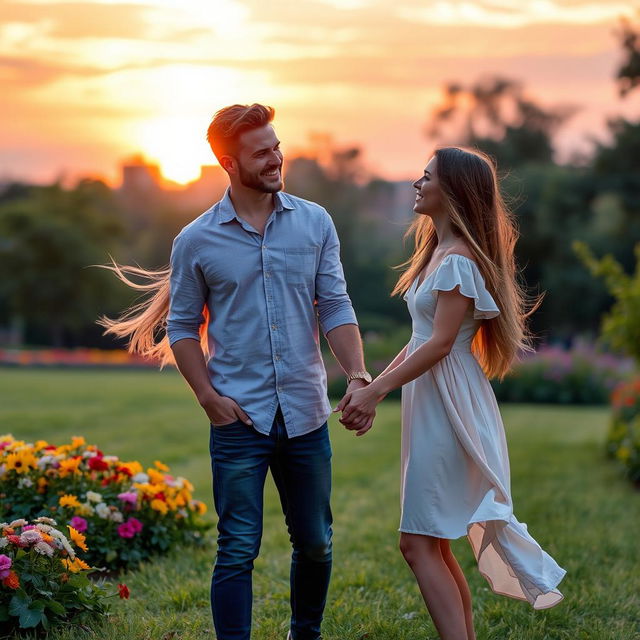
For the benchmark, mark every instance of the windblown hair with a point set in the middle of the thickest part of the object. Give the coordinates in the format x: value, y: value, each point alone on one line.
x: 476, y: 209
x: 229, y: 123
x: 144, y: 324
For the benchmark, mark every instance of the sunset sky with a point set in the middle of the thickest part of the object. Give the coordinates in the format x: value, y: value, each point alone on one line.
x: 86, y: 84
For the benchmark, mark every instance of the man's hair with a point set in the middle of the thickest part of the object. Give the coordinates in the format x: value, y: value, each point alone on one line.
x: 228, y: 123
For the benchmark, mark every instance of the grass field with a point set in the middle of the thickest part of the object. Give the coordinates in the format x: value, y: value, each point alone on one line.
x: 573, y: 500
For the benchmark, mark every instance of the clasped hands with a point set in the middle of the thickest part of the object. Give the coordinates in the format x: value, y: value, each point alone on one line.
x: 358, y: 406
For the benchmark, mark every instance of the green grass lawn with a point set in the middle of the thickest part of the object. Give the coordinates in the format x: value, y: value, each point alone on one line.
x: 573, y: 500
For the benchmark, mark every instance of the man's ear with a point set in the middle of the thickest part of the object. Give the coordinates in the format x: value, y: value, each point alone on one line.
x: 229, y: 164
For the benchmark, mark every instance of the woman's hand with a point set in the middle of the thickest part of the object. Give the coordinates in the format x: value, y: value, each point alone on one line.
x: 359, y: 408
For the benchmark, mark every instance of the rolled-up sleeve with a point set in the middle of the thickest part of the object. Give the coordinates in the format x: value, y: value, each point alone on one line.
x: 334, y: 304
x: 188, y: 292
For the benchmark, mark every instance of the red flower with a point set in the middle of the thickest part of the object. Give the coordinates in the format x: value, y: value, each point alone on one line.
x: 160, y: 496
x: 98, y: 464
x: 123, y: 591
x: 15, y: 540
x: 126, y: 471
x: 12, y: 581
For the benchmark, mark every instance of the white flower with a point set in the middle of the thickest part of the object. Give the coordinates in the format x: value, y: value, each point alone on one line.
x: 61, y: 539
x: 88, y: 507
x: 3, y: 543
x: 25, y: 482
x: 110, y: 458
x: 92, y: 496
x: 46, y: 520
x: 44, y: 549
x: 45, y: 460
x: 172, y: 482
x: 30, y: 536
x: 141, y: 478
x: 44, y: 527
x: 20, y: 522
x: 103, y: 511
x: 116, y: 516
x: 89, y: 454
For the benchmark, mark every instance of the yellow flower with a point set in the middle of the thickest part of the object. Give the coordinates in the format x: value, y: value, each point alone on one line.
x: 40, y: 444
x: 199, y: 506
x: 77, y: 441
x: 160, y: 466
x: 75, y: 565
x: 133, y: 467
x: 69, y: 466
x: 155, y: 476
x: 69, y: 500
x: 171, y: 503
x: 160, y: 506
x: 21, y: 461
x: 42, y: 484
x: 77, y: 538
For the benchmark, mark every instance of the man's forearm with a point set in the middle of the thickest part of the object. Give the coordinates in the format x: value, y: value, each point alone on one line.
x: 192, y: 366
x: 346, y: 345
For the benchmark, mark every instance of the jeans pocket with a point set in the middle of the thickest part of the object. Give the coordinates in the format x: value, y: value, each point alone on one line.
x: 226, y: 426
x: 300, y: 267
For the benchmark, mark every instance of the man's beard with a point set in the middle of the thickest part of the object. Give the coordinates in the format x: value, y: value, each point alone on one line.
x: 257, y: 182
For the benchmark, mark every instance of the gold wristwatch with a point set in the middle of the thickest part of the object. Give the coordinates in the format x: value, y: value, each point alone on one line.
x: 359, y: 375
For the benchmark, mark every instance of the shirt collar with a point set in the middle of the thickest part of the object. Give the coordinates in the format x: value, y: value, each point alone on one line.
x: 226, y: 211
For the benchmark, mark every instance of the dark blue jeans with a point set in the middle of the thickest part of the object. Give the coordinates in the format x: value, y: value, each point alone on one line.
x: 301, y: 468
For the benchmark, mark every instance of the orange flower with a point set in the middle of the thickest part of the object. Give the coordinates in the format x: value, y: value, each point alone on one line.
x: 160, y: 466
x: 77, y: 538
x: 69, y: 466
x: 160, y: 506
x: 12, y: 581
x: 75, y: 565
x: 77, y: 441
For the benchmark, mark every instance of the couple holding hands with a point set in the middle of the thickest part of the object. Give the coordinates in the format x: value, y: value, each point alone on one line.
x: 251, y: 282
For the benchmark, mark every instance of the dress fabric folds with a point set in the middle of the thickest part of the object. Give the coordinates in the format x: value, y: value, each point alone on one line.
x: 455, y: 477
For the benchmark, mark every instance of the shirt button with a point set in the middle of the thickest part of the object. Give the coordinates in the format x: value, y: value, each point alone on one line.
x: 277, y: 357
x: 267, y: 274
x: 264, y: 246
x: 274, y: 326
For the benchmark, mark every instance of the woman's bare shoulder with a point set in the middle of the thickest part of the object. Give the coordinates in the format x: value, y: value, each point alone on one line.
x: 463, y: 250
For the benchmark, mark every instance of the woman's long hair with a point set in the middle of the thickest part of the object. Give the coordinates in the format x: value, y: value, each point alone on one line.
x: 144, y: 323
x: 472, y: 199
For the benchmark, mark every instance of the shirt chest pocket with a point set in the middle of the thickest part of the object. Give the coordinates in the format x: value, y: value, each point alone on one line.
x: 300, y: 267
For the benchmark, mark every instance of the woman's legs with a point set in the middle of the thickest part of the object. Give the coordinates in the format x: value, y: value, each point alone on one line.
x: 437, y: 583
x: 463, y: 587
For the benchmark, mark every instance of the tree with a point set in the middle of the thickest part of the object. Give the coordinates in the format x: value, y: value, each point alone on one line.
x: 50, y: 237
x: 496, y: 115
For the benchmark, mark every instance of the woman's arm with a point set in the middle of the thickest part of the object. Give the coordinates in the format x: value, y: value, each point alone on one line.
x: 450, y: 312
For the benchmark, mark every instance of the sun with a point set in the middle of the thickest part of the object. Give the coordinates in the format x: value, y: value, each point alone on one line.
x: 178, y: 145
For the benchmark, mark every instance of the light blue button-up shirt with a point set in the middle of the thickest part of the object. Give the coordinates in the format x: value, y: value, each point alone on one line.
x: 265, y: 295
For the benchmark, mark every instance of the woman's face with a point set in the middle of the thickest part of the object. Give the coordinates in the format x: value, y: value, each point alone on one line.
x: 428, y: 194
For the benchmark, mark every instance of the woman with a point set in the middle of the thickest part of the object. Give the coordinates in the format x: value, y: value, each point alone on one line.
x: 468, y: 324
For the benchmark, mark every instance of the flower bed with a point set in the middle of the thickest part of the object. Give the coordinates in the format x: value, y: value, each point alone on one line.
x: 129, y: 513
x: 623, y: 439
x: 43, y: 581
x: 581, y: 375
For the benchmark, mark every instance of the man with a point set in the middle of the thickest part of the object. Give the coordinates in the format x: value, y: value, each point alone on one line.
x: 266, y: 265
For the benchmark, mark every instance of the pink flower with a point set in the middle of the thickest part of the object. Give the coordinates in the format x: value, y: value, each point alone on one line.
x: 135, y: 524
x: 5, y: 566
x: 129, y: 497
x: 79, y: 524
x: 125, y: 530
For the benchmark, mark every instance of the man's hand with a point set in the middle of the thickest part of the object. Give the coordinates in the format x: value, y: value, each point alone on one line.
x: 358, y: 407
x: 222, y: 410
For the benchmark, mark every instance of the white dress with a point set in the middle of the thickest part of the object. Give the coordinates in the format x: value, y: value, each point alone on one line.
x: 455, y: 465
